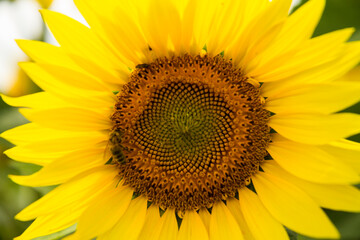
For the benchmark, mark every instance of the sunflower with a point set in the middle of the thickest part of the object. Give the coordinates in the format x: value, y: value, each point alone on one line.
x: 189, y: 120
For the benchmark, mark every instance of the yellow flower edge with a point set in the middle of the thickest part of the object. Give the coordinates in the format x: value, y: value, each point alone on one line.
x: 45, y: 3
x: 312, y: 164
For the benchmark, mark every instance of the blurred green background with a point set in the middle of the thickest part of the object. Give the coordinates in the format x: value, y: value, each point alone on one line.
x: 338, y: 14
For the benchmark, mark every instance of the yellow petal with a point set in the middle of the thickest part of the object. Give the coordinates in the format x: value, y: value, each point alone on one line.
x: 292, y: 207
x: 78, y: 191
x: 310, y: 162
x: 300, y: 25
x: 26, y: 155
x: 352, y: 75
x: 42, y: 52
x: 252, y: 9
x: 70, y: 237
x: 76, y: 119
x: 40, y: 100
x: 111, y: 205
x: 71, y: 34
x: 46, y: 53
x: 316, y: 98
x: 316, y: 128
x: 346, y: 144
x: 43, y: 145
x: 72, y: 95
x: 205, y: 217
x: 345, y: 151
x: 169, y: 228
x: 152, y: 225
x: 204, y: 17
x: 161, y: 25
x: 234, y: 207
x: 118, y: 75
x: 328, y: 72
x: 131, y: 222
x: 64, y: 168
x: 304, y: 59
x: 192, y: 227
x: 259, y: 220
x: 68, y: 143
x: 336, y: 197
x: 261, y: 45
x: 223, y: 225
x: 75, y: 78
x: 117, y: 26
x: 228, y: 21
x: 92, y: 9
x: 52, y: 223
x: 188, y: 24
x: 32, y: 132
x: 275, y: 13
x: 316, y: 52
x: 298, y: 28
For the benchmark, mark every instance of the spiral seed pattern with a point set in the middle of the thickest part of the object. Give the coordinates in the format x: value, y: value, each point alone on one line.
x: 188, y: 131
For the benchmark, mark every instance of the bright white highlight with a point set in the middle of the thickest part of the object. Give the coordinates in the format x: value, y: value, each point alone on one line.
x: 18, y: 20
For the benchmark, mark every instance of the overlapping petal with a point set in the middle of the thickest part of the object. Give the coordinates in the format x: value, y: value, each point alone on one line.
x: 293, y: 207
x: 222, y: 224
x: 336, y: 197
x: 311, y: 162
x: 313, y: 165
x: 316, y: 128
x: 111, y: 205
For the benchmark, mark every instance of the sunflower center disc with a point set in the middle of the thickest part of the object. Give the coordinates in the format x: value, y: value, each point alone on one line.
x: 188, y: 131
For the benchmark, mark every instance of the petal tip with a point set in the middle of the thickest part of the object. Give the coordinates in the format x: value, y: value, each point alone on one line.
x: 15, y: 179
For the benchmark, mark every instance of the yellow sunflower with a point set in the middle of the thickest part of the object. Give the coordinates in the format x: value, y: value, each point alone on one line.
x: 171, y: 119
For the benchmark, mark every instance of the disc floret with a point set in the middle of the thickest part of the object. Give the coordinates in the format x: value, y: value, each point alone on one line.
x: 188, y: 131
